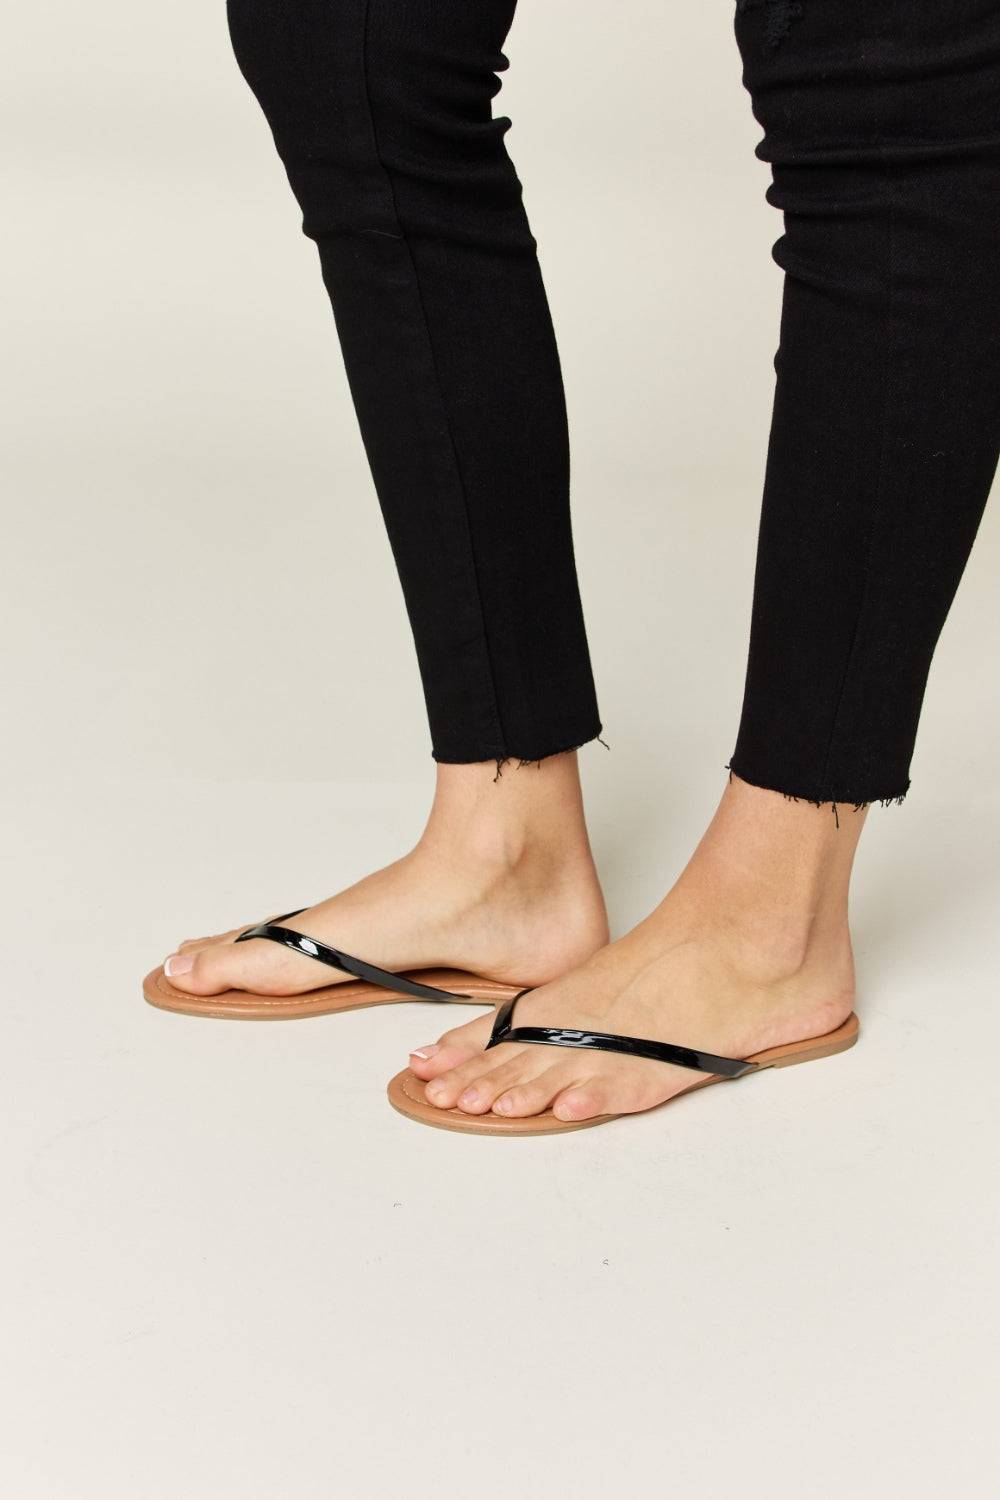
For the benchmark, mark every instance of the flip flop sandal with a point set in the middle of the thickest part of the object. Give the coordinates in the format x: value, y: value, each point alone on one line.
x: 377, y: 987
x: 406, y: 1091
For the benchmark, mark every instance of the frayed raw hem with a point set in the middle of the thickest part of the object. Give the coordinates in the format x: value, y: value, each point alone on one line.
x: 518, y: 761
x: 855, y: 803
x: 539, y: 759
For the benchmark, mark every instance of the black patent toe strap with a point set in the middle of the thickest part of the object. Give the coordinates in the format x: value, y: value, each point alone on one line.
x: 502, y: 1021
x: 334, y: 958
x: 607, y: 1041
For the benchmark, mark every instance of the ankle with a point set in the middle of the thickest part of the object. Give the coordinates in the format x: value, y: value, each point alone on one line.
x: 770, y: 879
x: 524, y: 822
x: 767, y: 943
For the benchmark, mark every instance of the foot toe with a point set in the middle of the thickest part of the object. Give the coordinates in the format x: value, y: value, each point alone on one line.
x: 203, y: 972
x: 422, y: 1058
x: 444, y: 1092
x: 443, y: 1059
x: 532, y: 1096
x: 452, y: 1050
x: 478, y: 1097
x: 583, y: 1103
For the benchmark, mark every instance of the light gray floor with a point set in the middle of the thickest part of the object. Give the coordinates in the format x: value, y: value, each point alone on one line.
x: 227, y: 1269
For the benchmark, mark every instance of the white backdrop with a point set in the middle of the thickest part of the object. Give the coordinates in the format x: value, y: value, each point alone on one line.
x: 202, y: 633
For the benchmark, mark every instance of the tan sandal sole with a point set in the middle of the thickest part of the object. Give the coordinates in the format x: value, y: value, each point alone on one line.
x: 407, y: 1094
x: 355, y: 994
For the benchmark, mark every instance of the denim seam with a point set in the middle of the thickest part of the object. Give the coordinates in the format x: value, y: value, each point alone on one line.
x: 880, y: 485
x: 495, y: 704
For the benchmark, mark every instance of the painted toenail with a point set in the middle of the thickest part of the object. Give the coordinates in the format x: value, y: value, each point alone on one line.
x: 178, y: 963
x: 426, y: 1052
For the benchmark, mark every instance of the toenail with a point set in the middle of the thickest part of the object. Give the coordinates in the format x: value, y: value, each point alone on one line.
x: 471, y: 1096
x: 178, y: 963
x: 425, y: 1052
x: 503, y: 1106
x: 436, y: 1088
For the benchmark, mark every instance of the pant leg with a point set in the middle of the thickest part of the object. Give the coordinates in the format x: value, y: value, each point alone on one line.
x: 381, y: 112
x: 882, y: 124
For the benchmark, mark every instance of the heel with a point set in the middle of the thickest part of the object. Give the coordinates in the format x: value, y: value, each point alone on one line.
x: 822, y: 1046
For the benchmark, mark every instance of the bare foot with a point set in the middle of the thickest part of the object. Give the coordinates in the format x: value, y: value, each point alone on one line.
x: 502, y: 884
x: 750, y: 950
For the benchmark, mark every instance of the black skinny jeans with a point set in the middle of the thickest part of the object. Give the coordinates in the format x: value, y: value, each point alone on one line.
x: 881, y: 121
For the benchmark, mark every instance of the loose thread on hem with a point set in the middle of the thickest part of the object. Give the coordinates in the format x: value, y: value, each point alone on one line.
x: 834, y: 806
x: 538, y: 760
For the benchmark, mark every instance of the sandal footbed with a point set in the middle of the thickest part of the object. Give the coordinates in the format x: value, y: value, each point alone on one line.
x: 356, y: 994
x: 407, y: 1094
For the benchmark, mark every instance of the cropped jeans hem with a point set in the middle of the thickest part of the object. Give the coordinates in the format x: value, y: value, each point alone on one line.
x: 819, y: 794
x: 526, y: 755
